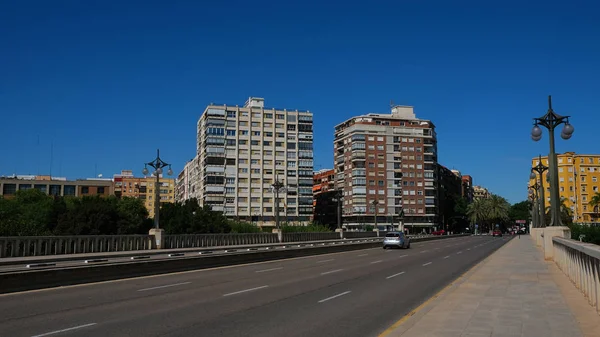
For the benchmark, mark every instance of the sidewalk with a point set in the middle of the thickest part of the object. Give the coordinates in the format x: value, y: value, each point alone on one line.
x: 514, y: 292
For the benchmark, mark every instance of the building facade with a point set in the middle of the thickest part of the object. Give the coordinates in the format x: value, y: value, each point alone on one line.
x: 386, y: 164
x: 243, y: 151
x: 127, y: 185
x: 480, y: 192
x: 185, y: 184
x: 450, y: 189
x: 324, y: 193
x: 467, y: 188
x: 56, y: 186
x: 578, y: 181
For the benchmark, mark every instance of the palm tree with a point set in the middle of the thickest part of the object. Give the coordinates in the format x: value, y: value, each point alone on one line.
x: 566, y: 214
x: 498, y: 209
x: 477, y: 211
x: 595, y: 203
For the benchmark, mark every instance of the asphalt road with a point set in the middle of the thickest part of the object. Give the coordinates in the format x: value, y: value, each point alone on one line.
x: 358, y: 293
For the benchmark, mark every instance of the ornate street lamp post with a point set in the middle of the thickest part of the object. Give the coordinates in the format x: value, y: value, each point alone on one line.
x: 158, y: 165
x: 375, y: 203
x: 535, y: 214
x: 551, y: 121
x: 540, y: 169
x: 339, y: 198
x: 278, y: 186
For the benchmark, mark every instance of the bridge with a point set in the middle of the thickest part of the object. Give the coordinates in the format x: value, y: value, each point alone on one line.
x: 505, y: 286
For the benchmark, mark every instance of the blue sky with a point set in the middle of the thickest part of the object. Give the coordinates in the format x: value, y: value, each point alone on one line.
x: 108, y: 82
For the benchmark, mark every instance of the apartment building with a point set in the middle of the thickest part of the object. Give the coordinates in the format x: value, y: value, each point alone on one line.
x: 480, y: 192
x: 324, y: 194
x: 467, y: 191
x: 243, y: 151
x: 386, y: 164
x: 323, y: 181
x: 578, y: 181
x: 58, y: 186
x: 185, y: 184
x: 127, y: 185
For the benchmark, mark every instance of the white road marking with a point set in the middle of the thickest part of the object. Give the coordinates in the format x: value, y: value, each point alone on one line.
x: 376, y: 261
x: 334, y: 296
x: 468, y: 248
x: 65, y: 330
x: 363, y: 255
x: 245, y: 291
x: 325, y: 261
x: 389, y: 277
x: 405, y: 255
x: 424, y: 251
x: 331, y: 271
x: 447, y: 256
x: 266, y: 270
x: 165, y: 286
x: 459, y: 253
x: 426, y: 264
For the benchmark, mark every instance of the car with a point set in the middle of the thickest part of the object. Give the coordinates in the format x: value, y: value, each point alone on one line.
x: 396, y: 239
x: 497, y: 232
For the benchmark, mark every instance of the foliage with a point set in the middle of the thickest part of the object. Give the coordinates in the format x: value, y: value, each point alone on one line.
x: 312, y: 227
x: 592, y: 233
x: 243, y: 227
x: 566, y: 215
x: 189, y: 218
x: 489, y: 212
x: 32, y: 212
x: 520, y: 211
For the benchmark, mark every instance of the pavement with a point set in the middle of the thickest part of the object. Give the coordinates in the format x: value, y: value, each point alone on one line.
x: 357, y: 293
x: 514, y: 292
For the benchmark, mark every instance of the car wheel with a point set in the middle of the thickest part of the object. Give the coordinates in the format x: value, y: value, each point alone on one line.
x: 384, y: 247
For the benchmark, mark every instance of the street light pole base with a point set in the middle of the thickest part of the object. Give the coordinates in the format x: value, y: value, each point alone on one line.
x: 549, y: 233
x: 159, y: 235
x: 279, y: 234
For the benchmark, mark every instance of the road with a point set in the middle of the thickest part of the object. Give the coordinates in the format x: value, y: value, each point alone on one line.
x: 357, y: 293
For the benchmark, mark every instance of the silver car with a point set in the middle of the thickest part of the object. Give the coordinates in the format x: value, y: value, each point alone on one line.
x: 396, y: 239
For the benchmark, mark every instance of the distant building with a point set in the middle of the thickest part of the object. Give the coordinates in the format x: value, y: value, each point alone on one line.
x: 467, y: 188
x: 57, y: 186
x: 185, y: 184
x: 480, y: 192
x: 126, y: 185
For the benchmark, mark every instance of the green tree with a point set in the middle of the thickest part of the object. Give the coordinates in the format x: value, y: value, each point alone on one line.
x: 89, y: 216
x: 28, y: 213
x: 520, y: 211
x: 132, y: 216
x: 566, y: 215
x: 595, y: 203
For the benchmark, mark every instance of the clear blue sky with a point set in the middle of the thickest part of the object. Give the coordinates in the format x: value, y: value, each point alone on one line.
x: 108, y: 82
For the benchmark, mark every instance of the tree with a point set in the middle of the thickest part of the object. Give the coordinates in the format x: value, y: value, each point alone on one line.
x: 595, y: 203
x: 566, y: 215
x: 133, y: 216
x: 520, y: 211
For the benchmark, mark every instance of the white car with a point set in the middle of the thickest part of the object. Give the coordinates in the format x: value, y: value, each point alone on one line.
x: 396, y: 239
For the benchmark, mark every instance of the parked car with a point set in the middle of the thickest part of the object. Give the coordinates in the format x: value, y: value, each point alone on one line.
x: 397, y: 240
x: 497, y: 232
x: 440, y: 232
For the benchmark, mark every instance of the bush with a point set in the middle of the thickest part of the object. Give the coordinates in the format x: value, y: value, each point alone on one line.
x: 592, y: 233
x: 309, y: 228
x: 244, y: 227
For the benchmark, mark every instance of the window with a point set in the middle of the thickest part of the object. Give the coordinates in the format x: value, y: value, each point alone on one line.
x: 100, y: 190
x: 85, y: 190
x: 231, y: 132
x: 256, y: 133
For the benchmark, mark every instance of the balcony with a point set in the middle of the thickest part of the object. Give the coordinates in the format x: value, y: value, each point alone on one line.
x: 339, y: 159
x: 358, y: 155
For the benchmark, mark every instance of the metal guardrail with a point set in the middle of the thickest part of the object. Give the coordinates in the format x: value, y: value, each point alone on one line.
x: 24, y: 246
x: 581, y: 263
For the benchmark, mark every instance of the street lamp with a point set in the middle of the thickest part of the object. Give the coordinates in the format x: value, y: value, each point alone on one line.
x: 339, y: 197
x: 535, y: 214
x: 158, y: 165
x: 277, y: 187
x: 540, y: 169
x: 550, y: 121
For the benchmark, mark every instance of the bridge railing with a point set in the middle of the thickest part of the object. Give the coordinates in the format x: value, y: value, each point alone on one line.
x: 581, y: 263
x: 21, y: 246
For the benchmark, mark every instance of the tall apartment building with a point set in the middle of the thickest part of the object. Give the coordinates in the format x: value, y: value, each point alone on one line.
x: 242, y: 151
x: 185, y: 184
x: 324, y: 192
x: 127, y: 185
x: 467, y: 182
x: 578, y: 181
x: 389, y: 159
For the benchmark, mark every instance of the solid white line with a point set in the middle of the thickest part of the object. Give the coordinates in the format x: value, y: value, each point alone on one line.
x: 445, y: 257
x: 426, y: 264
x: 363, y: 255
x: 65, y: 330
x: 376, y: 261
x: 244, y: 291
x: 389, y: 277
x: 266, y: 270
x: 331, y: 271
x: 325, y: 261
x: 334, y: 296
x: 166, y: 286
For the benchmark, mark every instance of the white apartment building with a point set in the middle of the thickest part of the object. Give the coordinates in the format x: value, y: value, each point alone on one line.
x: 386, y: 166
x: 185, y: 184
x: 242, y: 151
